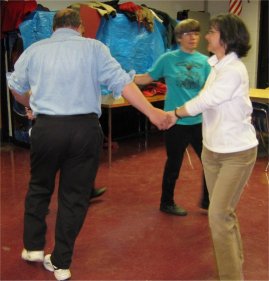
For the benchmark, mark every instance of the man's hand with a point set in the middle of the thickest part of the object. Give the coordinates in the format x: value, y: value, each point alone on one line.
x: 29, y: 113
x: 163, y: 120
x: 172, y: 116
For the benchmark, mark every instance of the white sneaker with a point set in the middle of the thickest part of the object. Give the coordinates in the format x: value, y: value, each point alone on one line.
x: 34, y: 256
x: 60, y: 274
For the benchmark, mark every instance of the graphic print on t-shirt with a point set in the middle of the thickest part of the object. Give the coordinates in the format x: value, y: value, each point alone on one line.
x: 188, y: 75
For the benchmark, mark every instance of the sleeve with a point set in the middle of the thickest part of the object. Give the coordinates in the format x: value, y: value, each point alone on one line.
x: 18, y: 80
x: 157, y: 70
x: 220, y: 90
x: 110, y: 72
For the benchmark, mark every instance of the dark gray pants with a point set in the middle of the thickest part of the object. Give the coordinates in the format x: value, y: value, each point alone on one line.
x: 70, y: 145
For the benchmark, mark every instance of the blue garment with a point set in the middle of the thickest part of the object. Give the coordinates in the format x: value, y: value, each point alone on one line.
x: 37, y: 26
x: 45, y: 66
x: 185, y: 75
x: 131, y: 44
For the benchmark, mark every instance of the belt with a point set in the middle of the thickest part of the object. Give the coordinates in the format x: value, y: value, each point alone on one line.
x: 87, y: 115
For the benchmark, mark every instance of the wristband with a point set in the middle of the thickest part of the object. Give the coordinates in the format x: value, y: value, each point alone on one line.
x: 176, y: 113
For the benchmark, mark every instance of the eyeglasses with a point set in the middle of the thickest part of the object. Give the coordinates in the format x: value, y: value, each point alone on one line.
x: 211, y: 31
x: 191, y: 33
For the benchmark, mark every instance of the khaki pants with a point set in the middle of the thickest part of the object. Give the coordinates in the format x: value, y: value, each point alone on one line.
x: 226, y: 176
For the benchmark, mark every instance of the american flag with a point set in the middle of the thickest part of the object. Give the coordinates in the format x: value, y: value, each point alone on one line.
x: 235, y: 7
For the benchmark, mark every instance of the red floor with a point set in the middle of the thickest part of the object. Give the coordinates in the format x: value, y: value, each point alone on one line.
x: 125, y: 236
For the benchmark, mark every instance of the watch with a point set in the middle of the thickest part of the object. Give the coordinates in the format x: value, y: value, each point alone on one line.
x: 176, y: 113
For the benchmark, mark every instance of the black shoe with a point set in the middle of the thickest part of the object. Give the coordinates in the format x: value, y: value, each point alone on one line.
x: 96, y: 192
x: 204, y: 205
x: 173, y: 210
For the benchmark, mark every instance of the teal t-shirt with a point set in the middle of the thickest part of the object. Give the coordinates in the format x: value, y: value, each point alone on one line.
x: 185, y: 75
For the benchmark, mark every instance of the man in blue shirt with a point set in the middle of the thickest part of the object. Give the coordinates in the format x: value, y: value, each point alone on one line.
x: 64, y: 74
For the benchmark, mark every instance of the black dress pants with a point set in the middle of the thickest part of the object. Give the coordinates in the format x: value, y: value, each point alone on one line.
x: 70, y: 145
x: 177, y: 138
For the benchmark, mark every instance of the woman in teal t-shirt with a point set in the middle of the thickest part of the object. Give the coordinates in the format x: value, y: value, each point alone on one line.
x: 185, y: 71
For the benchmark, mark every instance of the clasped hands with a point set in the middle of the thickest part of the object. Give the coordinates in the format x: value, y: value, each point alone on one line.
x: 163, y: 120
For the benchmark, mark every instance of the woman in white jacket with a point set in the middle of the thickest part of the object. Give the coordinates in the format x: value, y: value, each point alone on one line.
x: 229, y: 139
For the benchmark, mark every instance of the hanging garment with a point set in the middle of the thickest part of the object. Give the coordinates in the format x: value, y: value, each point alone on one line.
x: 129, y: 7
x: 145, y: 17
x: 103, y: 9
x: 113, y: 3
x: 13, y: 13
x: 91, y: 20
x: 37, y: 27
x: 169, y: 24
x: 132, y: 46
x: 153, y: 89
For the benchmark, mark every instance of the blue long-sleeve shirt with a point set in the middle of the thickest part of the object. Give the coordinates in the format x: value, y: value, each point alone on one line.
x: 64, y: 74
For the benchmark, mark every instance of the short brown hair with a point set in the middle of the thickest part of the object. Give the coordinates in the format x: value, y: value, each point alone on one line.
x: 233, y: 33
x: 187, y: 25
x: 66, y: 18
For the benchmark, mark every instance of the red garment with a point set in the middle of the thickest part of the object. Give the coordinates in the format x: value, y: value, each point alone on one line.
x: 91, y: 20
x: 155, y: 88
x: 129, y: 7
x: 161, y: 88
x: 14, y: 12
x: 149, y: 92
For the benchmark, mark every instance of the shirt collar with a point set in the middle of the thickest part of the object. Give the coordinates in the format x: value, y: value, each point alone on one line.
x: 214, y: 62
x: 65, y: 31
